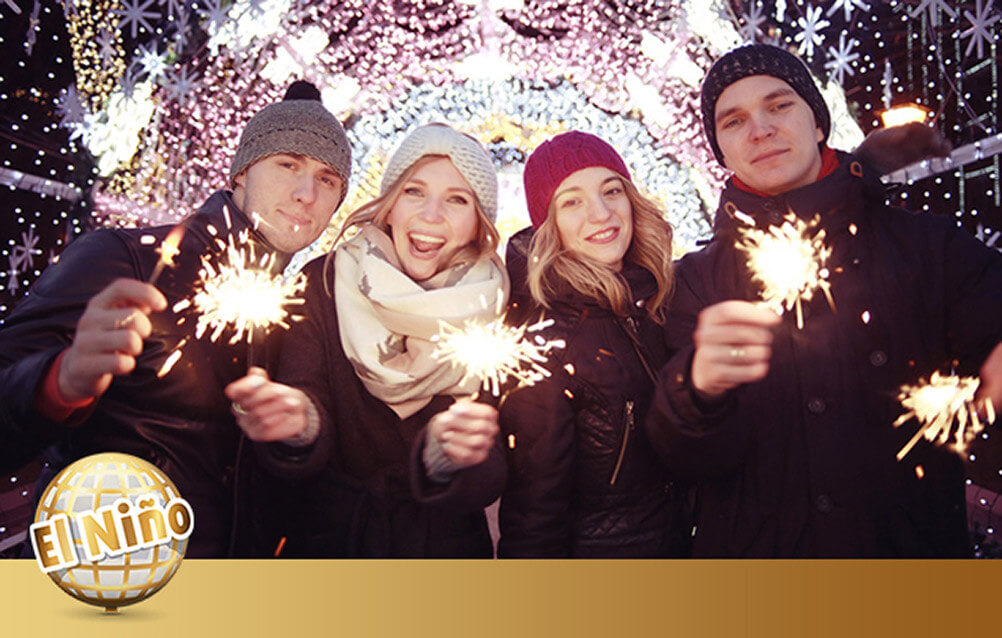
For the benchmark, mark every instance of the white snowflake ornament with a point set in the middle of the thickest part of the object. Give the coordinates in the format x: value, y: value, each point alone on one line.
x: 842, y: 58
x: 847, y: 6
x: 154, y: 64
x: 752, y: 26
x: 932, y: 7
x: 810, y: 35
x: 137, y: 15
x: 980, y: 21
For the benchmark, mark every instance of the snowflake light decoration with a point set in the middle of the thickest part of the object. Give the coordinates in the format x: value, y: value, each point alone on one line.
x: 106, y: 45
x: 72, y: 110
x: 154, y: 64
x: 136, y: 14
x: 179, y: 83
x: 842, y: 58
x: 932, y: 7
x: 810, y: 34
x: 980, y: 21
x: 752, y: 23
x: 847, y: 7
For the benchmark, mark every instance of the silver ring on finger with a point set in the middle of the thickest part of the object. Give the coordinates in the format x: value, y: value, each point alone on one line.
x: 122, y: 323
x: 738, y: 353
x: 239, y: 411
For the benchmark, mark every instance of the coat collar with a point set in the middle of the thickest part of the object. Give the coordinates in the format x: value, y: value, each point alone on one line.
x: 212, y: 212
x: 839, y: 198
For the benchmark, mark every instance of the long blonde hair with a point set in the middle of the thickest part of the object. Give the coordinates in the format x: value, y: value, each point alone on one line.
x: 376, y: 212
x: 550, y: 263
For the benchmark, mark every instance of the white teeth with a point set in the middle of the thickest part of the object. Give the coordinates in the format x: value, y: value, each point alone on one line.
x: 428, y: 239
x: 605, y: 234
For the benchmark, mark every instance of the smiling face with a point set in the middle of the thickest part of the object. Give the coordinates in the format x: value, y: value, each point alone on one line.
x: 293, y: 196
x: 432, y: 219
x: 593, y: 215
x: 768, y: 135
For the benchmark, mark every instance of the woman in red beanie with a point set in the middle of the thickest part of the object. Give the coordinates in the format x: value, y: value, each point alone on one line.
x: 583, y: 481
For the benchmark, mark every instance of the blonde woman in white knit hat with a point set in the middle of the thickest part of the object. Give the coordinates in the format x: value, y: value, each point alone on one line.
x: 390, y: 456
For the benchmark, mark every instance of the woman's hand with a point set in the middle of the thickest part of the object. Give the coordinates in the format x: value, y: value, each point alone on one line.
x: 465, y: 431
x: 733, y: 346
x: 270, y: 411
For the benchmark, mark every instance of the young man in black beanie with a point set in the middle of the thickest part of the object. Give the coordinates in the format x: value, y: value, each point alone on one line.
x: 788, y: 431
x: 81, y: 356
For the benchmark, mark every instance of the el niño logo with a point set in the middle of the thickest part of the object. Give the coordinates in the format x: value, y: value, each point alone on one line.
x: 111, y: 530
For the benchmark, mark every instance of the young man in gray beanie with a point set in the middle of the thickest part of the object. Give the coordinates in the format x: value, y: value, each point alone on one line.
x: 787, y: 430
x: 81, y: 358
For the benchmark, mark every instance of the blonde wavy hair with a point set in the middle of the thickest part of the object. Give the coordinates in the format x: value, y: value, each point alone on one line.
x: 550, y: 263
x: 376, y: 212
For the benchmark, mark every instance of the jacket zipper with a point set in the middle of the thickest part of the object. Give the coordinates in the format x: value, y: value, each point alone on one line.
x: 634, y: 336
x: 626, y: 438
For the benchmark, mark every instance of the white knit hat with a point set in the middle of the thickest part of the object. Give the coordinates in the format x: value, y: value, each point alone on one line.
x: 467, y: 154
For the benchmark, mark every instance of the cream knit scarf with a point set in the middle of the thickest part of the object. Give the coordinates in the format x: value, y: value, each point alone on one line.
x: 386, y: 319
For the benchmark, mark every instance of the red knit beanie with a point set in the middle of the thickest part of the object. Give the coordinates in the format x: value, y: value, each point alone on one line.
x: 554, y: 160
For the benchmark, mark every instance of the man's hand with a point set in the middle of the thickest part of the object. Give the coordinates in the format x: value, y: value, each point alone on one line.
x: 733, y: 346
x: 269, y: 411
x: 109, y: 336
x: 890, y: 149
x: 991, y: 379
x: 465, y: 431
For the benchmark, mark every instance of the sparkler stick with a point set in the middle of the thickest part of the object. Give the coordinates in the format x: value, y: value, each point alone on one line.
x: 937, y: 405
x: 789, y: 263
x: 167, y: 250
x: 493, y: 351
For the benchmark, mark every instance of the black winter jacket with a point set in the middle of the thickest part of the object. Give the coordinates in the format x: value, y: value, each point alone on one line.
x: 803, y: 462
x: 583, y: 481
x: 361, y: 490
x: 182, y: 422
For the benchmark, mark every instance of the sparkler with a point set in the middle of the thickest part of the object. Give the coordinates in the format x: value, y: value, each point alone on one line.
x: 493, y: 351
x: 167, y: 250
x: 937, y: 405
x: 240, y: 292
x: 789, y: 263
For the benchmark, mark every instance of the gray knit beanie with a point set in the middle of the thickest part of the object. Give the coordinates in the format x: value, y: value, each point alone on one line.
x: 759, y: 59
x: 298, y: 124
x: 467, y: 154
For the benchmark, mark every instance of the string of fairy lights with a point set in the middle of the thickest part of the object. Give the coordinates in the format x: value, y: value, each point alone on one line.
x: 127, y: 112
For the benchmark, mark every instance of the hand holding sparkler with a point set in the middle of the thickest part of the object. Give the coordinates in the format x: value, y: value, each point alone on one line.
x: 108, y: 338
x: 466, y: 431
x: 733, y: 346
x: 270, y: 411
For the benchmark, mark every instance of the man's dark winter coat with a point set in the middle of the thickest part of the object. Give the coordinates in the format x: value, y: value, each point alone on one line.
x: 181, y: 422
x: 803, y: 462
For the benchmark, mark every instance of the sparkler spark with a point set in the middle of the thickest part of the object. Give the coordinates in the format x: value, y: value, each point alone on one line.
x: 937, y: 405
x: 493, y: 351
x: 168, y: 250
x: 789, y: 263
x: 241, y: 293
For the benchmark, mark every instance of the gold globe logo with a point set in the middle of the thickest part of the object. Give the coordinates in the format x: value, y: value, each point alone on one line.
x: 111, y: 530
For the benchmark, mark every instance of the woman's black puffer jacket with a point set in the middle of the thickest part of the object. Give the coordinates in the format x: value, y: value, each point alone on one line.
x: 583, y: 480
